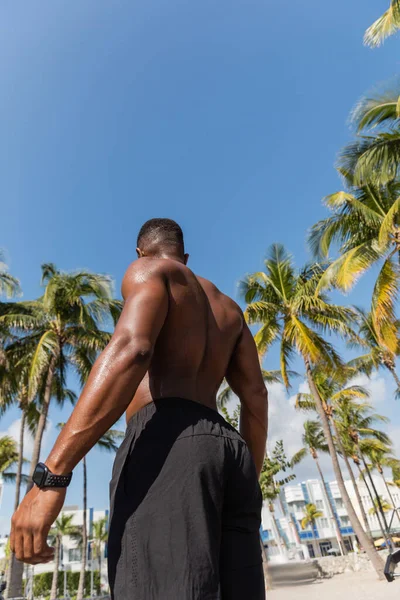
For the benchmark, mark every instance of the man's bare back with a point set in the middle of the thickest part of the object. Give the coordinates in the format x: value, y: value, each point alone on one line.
x: 199, y: 335
x: 177, y: 338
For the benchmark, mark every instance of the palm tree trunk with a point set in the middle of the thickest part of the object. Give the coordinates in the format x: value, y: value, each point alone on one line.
x: 372, y: 501
x: 317, y: 549
x: 53, y: 591
x: 15, y: 584
x: 267, y: 575
x: 20, y: 460
x: 388, y: 489
x: 395, y: 376
x: 378, y: 499
x: 391, y: 499
x: 10, y: 571
x: 81, y: 585
x: 100, y: 566
x: 339, y: 536
x: 42, y: 419
x: 352, y: 477
x: 357, y: 527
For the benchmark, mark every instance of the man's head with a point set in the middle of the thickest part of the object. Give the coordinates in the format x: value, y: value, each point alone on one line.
x: 161, y: 238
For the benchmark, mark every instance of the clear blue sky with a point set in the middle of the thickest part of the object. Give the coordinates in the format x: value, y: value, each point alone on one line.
x: 226, y: 116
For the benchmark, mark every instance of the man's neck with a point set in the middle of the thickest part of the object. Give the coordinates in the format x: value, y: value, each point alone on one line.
x: 167, y: 255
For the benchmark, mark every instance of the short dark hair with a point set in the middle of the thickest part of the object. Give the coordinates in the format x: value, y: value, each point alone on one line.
x: 164, y: 232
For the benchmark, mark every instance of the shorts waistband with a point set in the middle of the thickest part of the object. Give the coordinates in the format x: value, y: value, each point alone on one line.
x: 179, y: 409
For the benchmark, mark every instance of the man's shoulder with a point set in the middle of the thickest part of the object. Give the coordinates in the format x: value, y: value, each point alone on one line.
x: 211, y: 288
x: 145, y: 270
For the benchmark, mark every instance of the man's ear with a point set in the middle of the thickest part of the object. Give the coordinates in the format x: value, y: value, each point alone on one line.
x: 140, y: 253
x: 186, y: 258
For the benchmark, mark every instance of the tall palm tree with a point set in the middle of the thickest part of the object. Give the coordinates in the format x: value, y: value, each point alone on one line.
x: 62, y: 527
x: 314, y: 441
x: 100, y: 536
x: 356, y: 420
x: 311, y: 515
x: 109, y: 443
x: 386, y: 25
x: 333, y: 389
x: 289, y: 306
x: 61, y: 330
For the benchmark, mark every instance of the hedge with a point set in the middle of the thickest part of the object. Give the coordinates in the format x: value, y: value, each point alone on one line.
x: 42, y: 583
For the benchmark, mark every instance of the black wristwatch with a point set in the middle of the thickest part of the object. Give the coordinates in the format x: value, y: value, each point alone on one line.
x: 43, y: 477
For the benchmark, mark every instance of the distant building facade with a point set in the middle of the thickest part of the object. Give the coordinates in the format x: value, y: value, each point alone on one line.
x: 71, y: 553
x: 282, y: 532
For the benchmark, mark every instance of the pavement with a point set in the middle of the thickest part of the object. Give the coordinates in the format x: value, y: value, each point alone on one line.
x: 354, y: 586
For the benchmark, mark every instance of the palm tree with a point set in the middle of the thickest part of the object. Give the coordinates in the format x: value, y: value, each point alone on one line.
x: 289, y: 306
x: 373, y: 157
x: 378, y: 354
x: 355, y: 420
x: 381, y: 458
x: 61, y: 331
x: 9, y: 285
x: 314, y: 442
x: 364, y: 225
x: 62, y: 328
x: 225, y: 393
x: 108, y: 443
x: 334, y: 389
x: 62, y: 527
x: 386, y: 507
x: 100, y: 536
x: 277, y: 464
x: 8, y: 457
x: 311, y: 515
x: 386, y: 25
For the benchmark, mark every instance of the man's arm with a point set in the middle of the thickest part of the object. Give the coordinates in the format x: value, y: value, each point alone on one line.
x: 245, y: 378
x: 111, y: 386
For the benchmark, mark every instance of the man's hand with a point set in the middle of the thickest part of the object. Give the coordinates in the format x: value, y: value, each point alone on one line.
x: 31, y: 524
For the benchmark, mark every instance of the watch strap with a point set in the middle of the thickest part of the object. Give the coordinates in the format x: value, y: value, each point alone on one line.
x: 52, y: 480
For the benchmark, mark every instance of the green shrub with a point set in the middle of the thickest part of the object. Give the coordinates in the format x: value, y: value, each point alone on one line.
x: 42, y: 583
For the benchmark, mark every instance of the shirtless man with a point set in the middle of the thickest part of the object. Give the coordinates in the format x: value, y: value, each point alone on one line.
x: 185, y: 498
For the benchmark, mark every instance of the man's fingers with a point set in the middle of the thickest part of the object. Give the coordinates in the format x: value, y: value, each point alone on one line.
x: 28, y: 545
x: 19, y: 543
x: 40, y: 546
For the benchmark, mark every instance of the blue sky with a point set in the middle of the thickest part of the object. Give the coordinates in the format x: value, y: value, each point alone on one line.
x: 226, y: 116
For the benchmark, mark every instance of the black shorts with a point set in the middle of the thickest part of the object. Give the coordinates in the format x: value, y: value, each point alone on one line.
x: 185, y: 509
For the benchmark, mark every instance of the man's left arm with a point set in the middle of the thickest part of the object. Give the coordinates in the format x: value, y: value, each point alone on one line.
x: 111, y: 386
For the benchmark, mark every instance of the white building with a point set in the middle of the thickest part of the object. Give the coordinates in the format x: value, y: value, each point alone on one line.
x: 282, y: 530
x: 71, y: 554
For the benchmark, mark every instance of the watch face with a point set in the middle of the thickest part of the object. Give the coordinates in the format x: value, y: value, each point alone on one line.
x: 39, y: 474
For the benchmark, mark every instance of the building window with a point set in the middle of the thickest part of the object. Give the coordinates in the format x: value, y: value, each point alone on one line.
x: 311, y: 550
x: 324, y: 523
x: 319, y: 504
x: 297, y: 505
x: 339, y: 503
x: 74, y: 555
x: 344, y: 521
